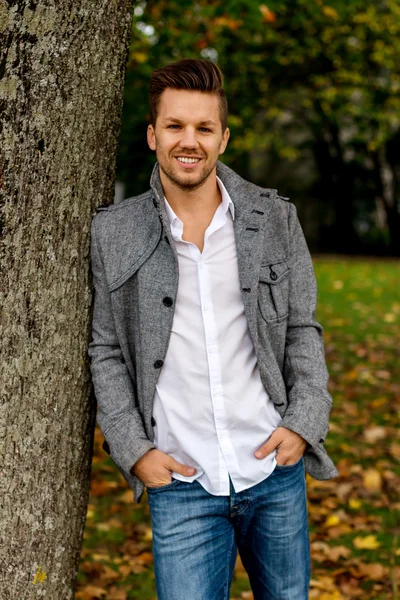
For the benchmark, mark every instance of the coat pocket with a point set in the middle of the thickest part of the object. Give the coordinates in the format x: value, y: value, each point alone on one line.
x: 273, y: 291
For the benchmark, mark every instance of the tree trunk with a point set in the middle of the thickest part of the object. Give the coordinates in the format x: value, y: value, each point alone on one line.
x: 62, y: 67
x: 336, y: 185
x: 387, y: 172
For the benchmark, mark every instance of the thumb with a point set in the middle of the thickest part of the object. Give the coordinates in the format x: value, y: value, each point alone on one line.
x: 179, y: 468
x: 268, y: 447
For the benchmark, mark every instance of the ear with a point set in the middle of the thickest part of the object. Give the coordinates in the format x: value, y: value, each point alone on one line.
x: 224, y: 142
x: 151, y: 137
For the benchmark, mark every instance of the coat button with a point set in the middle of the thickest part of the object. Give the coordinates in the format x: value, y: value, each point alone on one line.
x: 158, y: 364
x: 167, y: 301
x: 153, y: 421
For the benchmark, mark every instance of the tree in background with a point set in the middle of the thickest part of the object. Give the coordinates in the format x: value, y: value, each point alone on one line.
x: 62, y: 68
x: 313, y: 92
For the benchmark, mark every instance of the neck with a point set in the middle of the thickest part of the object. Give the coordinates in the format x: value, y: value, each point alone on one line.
x: 192, y: 203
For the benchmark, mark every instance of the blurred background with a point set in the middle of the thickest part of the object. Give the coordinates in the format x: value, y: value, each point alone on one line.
x: 314, y: 97
x: 314, y: 102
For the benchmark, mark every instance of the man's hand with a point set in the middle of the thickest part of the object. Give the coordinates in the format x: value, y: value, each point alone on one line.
x: 290, y: 446
x: 155, y: 467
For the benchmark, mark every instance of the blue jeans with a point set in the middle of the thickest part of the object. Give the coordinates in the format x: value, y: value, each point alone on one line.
x: 196, y: 537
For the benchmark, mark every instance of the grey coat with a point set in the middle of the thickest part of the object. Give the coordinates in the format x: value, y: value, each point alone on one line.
x: 135, y: 268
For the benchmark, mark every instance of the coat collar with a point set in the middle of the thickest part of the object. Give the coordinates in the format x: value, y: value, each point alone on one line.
x: 246, y: 196
x: 126, y: 247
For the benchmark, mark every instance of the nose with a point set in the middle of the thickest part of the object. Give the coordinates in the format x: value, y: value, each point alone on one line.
x: 189, y: 139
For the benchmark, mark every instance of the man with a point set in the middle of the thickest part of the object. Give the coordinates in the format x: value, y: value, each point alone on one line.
x: 207, y: 361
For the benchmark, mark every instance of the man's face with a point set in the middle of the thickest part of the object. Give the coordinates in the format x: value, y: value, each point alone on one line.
x: 187, y: 136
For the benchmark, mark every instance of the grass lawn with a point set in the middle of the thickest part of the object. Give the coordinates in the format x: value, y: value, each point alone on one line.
x: 355, y: 518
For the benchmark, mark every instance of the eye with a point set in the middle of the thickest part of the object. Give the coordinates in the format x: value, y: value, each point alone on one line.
x: 205, y: 129
x: 175, y: 125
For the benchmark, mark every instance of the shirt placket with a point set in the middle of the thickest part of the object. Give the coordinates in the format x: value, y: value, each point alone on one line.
x: 226, y: 454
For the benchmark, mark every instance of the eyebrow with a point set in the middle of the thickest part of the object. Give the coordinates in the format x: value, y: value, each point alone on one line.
x: 174, y: 120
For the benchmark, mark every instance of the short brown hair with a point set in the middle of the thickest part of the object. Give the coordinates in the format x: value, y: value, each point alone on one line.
x: 188, y: 74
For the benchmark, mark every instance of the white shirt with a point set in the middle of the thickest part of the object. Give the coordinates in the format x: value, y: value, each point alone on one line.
x: 211, y: 409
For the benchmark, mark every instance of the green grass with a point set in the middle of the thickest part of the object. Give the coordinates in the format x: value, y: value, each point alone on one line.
x: 359, y: 309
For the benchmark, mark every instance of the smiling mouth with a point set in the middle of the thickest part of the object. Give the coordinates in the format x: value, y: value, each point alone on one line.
x: 187, y: 161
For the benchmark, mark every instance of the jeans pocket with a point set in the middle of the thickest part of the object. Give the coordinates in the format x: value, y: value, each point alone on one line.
x: 160, y: 488
x: 288, y: 467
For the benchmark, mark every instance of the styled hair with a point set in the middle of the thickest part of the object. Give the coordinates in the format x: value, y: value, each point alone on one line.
x: 188, y: 74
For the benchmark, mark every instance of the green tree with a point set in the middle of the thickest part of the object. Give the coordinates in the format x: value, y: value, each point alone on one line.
x: 306, y: 81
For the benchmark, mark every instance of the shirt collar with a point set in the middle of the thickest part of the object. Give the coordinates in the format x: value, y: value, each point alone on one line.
x: 226, y: 203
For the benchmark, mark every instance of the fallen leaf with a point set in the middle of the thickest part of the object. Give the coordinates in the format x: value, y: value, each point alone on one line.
x: 337, y: 552
x: 389, y: 318
x: 325, y: 583
x: 373, y: 571
x: 372, y: 480
x: 90, y: 592
x: 374, y: 434
x: 368, y: 542
x: 332, y: 520
x: 395, y: 450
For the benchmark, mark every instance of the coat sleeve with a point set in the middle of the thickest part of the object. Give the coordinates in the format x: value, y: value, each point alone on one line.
x: 305, y: 372
x: 118, y: 414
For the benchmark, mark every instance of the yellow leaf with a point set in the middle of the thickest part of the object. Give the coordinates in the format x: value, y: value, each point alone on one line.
x: 339, y: 322
x: 354, y: 503
x: 368, y: 542
x: 372, y: 480
x: 389, y: 318
x: 139, y: 57
x: 378, y: 402
x: 148, y: 534
x: 332, y: 520
x: 323, y: 583
x: 395, y: 450
x: 336, y: 595
x: 330, y: 12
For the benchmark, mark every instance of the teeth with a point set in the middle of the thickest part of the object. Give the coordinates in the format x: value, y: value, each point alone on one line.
x: 187, y: 160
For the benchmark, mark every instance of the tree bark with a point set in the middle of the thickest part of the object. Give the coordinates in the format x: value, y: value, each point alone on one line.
x: 62, y: 67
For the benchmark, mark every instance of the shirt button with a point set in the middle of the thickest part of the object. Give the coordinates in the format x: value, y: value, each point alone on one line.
x: 213, y: 348
x: 153, y: 421
x: 158, y: 364
x: 167, y: 301
x: 207, y: 306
